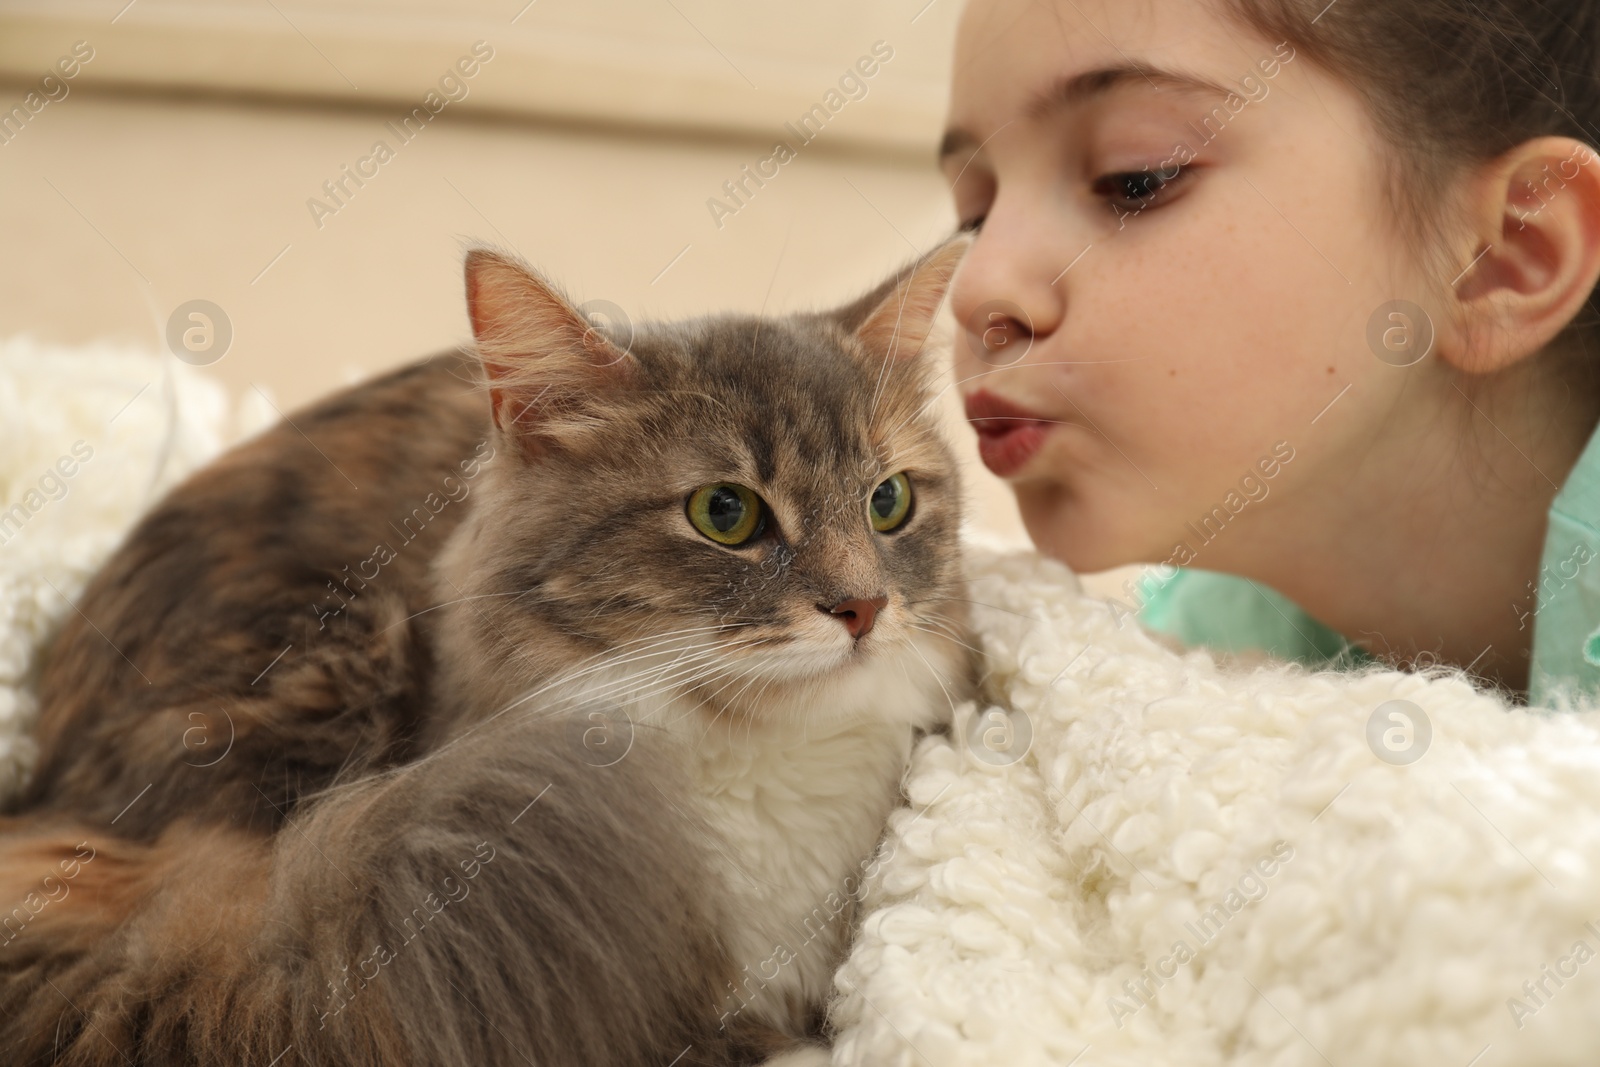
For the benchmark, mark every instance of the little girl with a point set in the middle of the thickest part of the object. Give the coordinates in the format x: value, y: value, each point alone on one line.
x: 1292, y: 298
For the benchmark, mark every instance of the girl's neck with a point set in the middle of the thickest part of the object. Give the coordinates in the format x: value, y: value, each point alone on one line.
x: 1424, y: 553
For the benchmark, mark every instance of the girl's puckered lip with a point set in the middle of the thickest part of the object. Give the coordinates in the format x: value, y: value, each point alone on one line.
x: 1008, y: 435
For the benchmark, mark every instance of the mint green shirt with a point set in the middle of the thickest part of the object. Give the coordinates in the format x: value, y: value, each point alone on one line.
x: 1232, y: 614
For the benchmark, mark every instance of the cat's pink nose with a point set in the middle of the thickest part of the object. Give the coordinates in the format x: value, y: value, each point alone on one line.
x: 857, y: 614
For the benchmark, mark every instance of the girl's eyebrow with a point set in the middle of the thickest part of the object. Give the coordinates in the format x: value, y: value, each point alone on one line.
x: 1080, y: 88
x: 1076, y: 89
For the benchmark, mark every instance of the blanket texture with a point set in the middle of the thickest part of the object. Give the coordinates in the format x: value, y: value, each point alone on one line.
x: 1128, y: 855
x: 1124, y: 855
x: 89, y: 437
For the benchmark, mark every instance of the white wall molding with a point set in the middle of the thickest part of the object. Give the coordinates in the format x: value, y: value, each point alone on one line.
x: 705, y: 65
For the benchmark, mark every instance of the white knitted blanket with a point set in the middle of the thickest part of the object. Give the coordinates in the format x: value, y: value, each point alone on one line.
x: 89, y: 437
x: 1146, y: 859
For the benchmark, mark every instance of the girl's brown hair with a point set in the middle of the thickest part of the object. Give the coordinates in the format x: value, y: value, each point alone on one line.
x: 1452, y: 83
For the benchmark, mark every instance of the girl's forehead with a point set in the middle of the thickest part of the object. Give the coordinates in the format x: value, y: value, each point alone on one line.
x: 1013, y: 55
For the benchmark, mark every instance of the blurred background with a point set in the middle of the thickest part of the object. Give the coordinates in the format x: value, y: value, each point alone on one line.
x: 154, y: 153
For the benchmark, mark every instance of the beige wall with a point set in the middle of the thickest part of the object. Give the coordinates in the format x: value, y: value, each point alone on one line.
x: 160, y: 178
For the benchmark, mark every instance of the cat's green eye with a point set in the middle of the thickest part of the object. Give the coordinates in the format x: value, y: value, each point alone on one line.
x: 890, y: 503
x: 728, y: 514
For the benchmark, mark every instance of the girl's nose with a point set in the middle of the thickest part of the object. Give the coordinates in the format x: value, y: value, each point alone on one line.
x: 1011, y: 286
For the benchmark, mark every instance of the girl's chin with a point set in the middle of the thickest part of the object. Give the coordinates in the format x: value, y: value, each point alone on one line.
x: 1088, y: 539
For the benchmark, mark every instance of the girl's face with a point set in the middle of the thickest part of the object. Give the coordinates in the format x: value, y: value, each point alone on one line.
x: 1188, y: 221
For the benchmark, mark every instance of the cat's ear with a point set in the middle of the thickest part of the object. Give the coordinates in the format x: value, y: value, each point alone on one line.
x: 895, y: 319
x: 539, y: 353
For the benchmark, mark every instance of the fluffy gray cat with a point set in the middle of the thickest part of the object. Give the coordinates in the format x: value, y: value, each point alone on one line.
x: 565, y: 686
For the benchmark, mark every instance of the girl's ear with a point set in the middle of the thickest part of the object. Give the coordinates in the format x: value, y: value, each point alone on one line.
x: 542, y: 358
x: 894, y: 320
x: 1537, y: 209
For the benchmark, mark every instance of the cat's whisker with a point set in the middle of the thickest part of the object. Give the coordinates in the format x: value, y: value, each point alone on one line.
x: 722, y: 646
x: 650, y: 640
x: 683, y: 672
x: 762, y: 693
x: 689, y: 709
x: 445, y: 604
x: 937, y: 620
x: 729, y: 705
x: 947, y: 635
x: 753, y: 676
x: 749, y: 677
x: 621, y: 694
x: 738, y: 671
x: 569, y: 680
x: 734, y: 675
x: 559, y: 680
x: 634, y: 680
x: 883, y: 374
x: 955, y: 637
x: 725, y: 678
x: 680, y: 678
x: 709, y: 727
x: 977, y: 603
x: 681, y: 659
x: 938, y: 678
x: 947, y: 596
x: 600, y: 609
x: 669, y: 642
x: 733, y: 670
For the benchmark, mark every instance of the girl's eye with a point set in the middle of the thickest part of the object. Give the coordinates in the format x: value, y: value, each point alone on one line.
x: 890, y: 503
x: 1135, y: 190
x: 972, y: 225
x: 728, y: 514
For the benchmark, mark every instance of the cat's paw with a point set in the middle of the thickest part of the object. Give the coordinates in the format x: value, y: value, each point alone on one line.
x: 809, y: 1056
